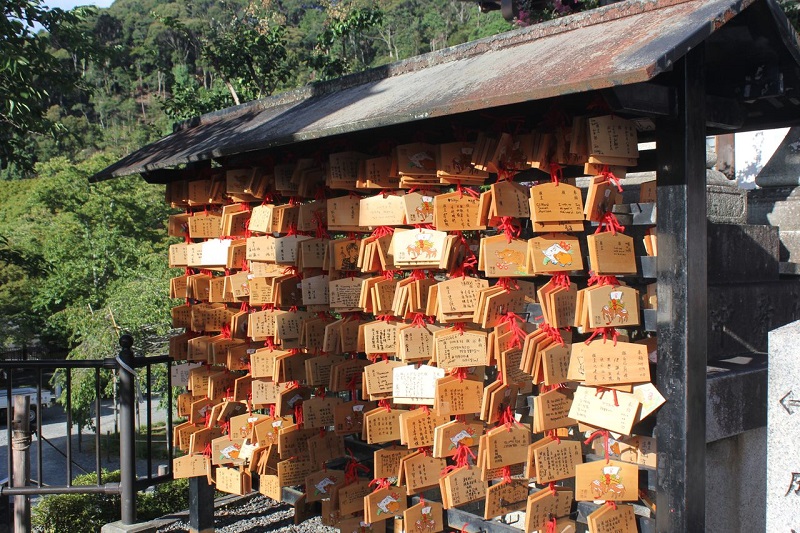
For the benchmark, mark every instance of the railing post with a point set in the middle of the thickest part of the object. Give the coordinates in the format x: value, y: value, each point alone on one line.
x: 20, y: 449
x: 127, y: 443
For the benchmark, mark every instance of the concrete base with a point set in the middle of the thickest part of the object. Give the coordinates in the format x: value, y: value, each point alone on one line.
x: 736, y: 481
x: 119, y: 527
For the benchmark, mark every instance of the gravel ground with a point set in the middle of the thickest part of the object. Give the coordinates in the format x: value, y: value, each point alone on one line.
x: 256, y: 515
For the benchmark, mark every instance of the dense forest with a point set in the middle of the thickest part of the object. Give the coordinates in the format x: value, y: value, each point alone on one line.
x: 81, y: 262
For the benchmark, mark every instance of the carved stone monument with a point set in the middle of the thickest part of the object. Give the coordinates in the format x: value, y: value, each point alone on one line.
x: 777, y: 202
x: 783, y: 430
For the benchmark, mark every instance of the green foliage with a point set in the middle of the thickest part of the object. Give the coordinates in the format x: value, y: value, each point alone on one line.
x: 83, y: 262
x: 342, y: 46
x: 79, y: 513
x: 30, y: 73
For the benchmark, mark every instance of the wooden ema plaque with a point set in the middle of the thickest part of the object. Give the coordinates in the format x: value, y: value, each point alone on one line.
x: 615, y: 411
x: 556, y: 202
x: 462, y: 485
x: 424, y: 517
x: 610, y: 481
x: 546, y: 504
x: 384, y: 504
x: 608, y: 519
x: 611, y: 254
x: 441, y: 342
x: 555, y: 252
x: 503, y: 498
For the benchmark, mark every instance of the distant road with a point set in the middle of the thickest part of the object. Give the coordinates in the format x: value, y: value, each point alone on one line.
x: 54, y: 431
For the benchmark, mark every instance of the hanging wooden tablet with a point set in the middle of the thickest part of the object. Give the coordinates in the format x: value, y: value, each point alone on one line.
x: 555, y: 252
x: 384, y: 504
x: 415, y: 384
x: 447, y: 437
x: 606, y: 364
x: 351, y: 497
x: 462, y: 485
x: 610, y: 481
x: 557, y: 460
x: 510, y: 199
x: 506, y: 446
x: 421, y: 248
x: 382, y: 425
x: 615, y: 411
x: 457, y: 397
x: 421, y: 472
x: 349, y: 416
x: 190, y: 466
x: 318, y: 411
x: 555, y: 363
x: 613, y: 306
x: 289, y: 398
x: 343, y: 213
x: 612, y: 136
x: 504, y: 498
x: 607, y: 519
x: 225, y: 450
x: 232, y: 481
x: 294, y: 471
x: 552, y: 410
x: 611, y: 254
x: 546, y: 504
x: 415, y: 344
x: 601, y: 197
x: 319, y: 484
x: 199, y: 439
x: 327, y: 447
x: 502, y: 258
x: 456, y: 348
x: 456, y: 211
x: 382, y: 210
x: 424, y: 517
x: 378, y: 174
x: 556, y: 202
x: 418, y: 207
x: 347, y: 374
x: 455, y: 161
x: 650, y: 398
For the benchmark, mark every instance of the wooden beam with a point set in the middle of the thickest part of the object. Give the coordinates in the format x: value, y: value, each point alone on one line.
x: 682, y: 303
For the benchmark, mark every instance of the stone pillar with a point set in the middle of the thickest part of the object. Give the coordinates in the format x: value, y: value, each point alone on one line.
x: 783, y: 430
x: 777, y: 201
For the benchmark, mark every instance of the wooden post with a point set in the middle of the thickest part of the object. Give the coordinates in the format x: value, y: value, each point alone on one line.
x: 201, y: 506
x: 20, y: 449
x: 682, y: 302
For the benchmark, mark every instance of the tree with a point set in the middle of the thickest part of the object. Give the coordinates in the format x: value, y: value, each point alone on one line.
x: 342, y: 47
x: 29, y: 73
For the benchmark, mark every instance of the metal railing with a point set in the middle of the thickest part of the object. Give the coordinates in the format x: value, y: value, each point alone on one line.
x: 125, y: 366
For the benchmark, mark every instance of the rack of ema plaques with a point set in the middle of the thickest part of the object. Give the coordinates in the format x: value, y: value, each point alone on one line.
x: 450, y: 335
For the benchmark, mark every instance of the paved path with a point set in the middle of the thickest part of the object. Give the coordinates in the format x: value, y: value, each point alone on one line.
x: 54, y: 445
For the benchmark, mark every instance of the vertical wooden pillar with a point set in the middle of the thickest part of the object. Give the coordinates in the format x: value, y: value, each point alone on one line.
x: 20, y: 451
x: 682, y: 303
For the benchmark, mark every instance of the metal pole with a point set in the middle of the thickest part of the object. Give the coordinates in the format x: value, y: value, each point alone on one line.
x: 127, y: 437
x: 682, y: 302
x: 20, y: 448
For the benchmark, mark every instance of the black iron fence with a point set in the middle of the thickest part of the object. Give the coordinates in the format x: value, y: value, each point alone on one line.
x: 126, y: 368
